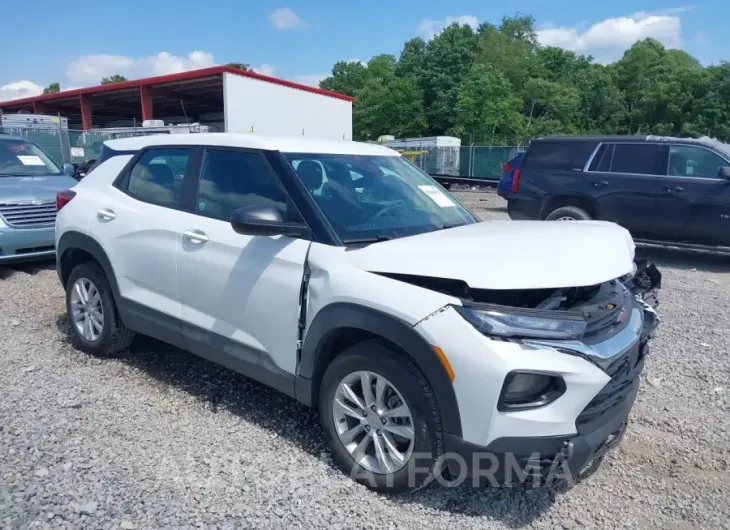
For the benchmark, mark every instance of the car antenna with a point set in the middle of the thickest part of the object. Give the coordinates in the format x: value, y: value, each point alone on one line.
x: 187, y: 122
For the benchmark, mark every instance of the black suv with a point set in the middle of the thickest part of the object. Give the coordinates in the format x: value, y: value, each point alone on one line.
x: 659, y: 188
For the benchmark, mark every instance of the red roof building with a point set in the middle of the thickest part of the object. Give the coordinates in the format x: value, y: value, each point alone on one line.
x: 245, y: 102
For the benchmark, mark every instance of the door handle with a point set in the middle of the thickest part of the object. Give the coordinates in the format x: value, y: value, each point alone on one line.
x: 195, y: 236
x: 673, y: 190
x: 599, y: 183
x: 105, y: 214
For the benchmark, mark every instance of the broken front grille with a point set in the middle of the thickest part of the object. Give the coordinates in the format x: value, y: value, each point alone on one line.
x: 41, y: 215
x: 624, y: 373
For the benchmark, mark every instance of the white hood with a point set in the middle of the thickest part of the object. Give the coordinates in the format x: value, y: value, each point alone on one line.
x: 508, y: 254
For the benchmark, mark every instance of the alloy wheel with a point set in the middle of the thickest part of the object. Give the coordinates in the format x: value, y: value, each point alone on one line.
x: 373, y: 422
x: 87, y: 312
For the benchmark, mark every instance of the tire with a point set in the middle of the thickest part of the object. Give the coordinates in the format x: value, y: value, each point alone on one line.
x: 419, y: 464
x: 568, y: 213
x: 114, y: 336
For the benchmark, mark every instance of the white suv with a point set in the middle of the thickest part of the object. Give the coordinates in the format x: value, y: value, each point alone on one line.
x: 343, y: 276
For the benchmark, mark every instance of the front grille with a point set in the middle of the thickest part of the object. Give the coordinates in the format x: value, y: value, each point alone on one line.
x: 29, y: 215
x: 624, y: 374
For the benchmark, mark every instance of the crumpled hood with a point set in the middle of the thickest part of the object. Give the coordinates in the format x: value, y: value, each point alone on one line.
x: 508, y: 254
x: 14, y: 189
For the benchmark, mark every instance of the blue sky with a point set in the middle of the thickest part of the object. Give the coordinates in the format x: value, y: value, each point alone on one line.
x: 77, y: 44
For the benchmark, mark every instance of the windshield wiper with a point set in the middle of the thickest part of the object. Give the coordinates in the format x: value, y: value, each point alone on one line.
x: 446, y: 226
x: 30, y: 174
x: 372, y: 239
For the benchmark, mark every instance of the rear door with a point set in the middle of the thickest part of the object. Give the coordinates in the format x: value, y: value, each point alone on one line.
x: 139, y: 222
x: 694, y: 198
x: 623, y: 177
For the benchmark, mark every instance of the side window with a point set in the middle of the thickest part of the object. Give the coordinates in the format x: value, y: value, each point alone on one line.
x: 234, y: 179
x: 157, y: 177
x: 558, y: 155
x: 602, y: 160
x: 689, y: 161
x: 639, y: 158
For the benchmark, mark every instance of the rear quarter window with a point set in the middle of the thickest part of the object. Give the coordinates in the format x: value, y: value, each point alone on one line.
x: 546, y: 155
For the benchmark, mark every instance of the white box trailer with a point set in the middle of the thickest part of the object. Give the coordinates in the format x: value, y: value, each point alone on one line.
x: 253, y: 105
x: 24, y: 120
x: 437, y: 155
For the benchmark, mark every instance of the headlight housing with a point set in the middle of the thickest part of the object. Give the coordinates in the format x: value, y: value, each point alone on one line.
x: 502, y: 321
x: 528, y: 390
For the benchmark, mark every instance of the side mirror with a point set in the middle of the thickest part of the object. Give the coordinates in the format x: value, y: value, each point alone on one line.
x: 266, y: 221
x: 724, y: 172
x: 69, y: 170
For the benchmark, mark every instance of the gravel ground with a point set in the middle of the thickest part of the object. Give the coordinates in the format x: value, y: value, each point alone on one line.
x: 156, y: 437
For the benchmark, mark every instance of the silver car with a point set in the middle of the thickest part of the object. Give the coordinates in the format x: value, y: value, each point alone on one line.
x: 29, y: 181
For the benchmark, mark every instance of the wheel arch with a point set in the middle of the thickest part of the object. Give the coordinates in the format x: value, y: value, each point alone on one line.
x: 553, y: 202
x: 341, y: 325
x: 74, y: 248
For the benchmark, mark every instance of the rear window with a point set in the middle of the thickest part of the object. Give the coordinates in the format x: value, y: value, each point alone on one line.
x: 639, y: 159
x: 106, y: 153
x: 567, y: 155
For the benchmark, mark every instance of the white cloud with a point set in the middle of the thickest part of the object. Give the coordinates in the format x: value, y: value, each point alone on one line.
x: 285, y: 18
x: 265, y: 69
x: 310, y: 79
x: 90, y: 69
x: 608, y: 39
x: 19, y: 89
x: 431, y: 28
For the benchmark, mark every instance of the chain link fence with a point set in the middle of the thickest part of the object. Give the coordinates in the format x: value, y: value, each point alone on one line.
x: 477, y: 162
x: 67, y: 146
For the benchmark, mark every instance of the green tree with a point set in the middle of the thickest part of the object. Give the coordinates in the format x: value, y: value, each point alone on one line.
x: 602, y: 109
x: 520, y: 28
x: 488, y: 111
x: 514, y: 57
x: 549, y: 105
x: 348, y: 77
x: 498, y: 84
x: 241, y: 66
x: 389, y: 107
x: 52, y: 88
x: 449, y: 58
x: 413, y: 60
x: 116, y: 78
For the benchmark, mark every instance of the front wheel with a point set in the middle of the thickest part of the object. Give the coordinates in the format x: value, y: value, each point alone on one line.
x: 568, y: 213
x: 381, y: 419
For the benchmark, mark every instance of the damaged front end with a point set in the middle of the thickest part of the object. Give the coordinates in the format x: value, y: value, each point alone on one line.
x: 601, y: 323
x: 598, y: 322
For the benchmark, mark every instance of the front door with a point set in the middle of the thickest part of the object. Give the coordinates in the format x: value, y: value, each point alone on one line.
x: 240, y: 293
x: 696, y: 195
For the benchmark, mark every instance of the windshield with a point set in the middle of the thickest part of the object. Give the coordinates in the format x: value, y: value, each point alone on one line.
x: 377, y: 197
x: 19, y: 158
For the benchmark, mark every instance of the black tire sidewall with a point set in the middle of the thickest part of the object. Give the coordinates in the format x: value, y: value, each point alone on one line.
x: 378, y: 358
x: 102, y: 345
x: 577, y: 213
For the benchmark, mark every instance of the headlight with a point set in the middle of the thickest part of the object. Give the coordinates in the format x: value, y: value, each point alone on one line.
x: 529, y: 323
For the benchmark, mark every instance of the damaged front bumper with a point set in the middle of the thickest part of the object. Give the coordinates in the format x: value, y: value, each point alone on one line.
x: 548, y: 460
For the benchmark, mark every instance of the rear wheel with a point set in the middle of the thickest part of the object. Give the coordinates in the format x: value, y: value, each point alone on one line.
x: 381, y: 419
x: 568, y: 213
x: 92, y: 315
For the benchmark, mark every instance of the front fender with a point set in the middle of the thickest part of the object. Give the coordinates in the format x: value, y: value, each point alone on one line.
x: 341, y: 315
